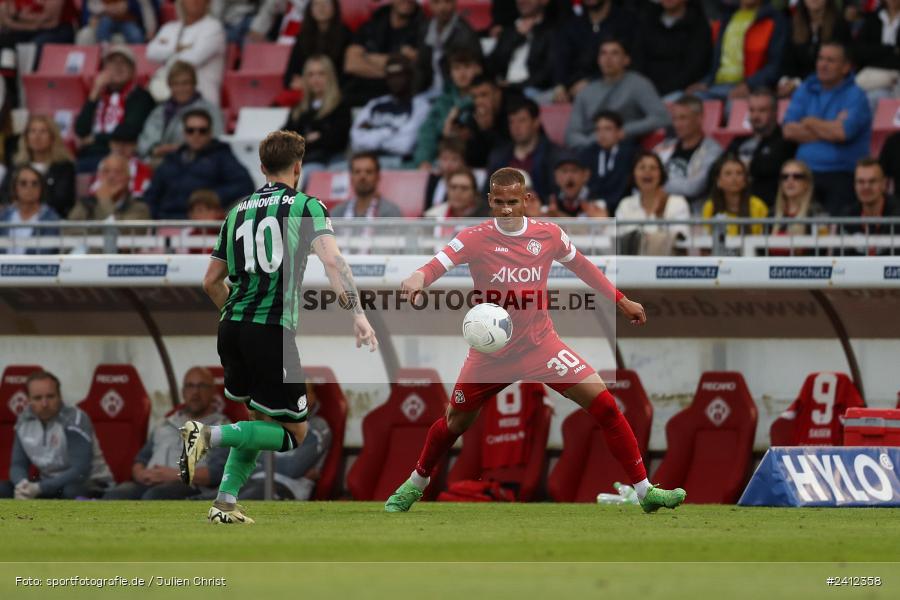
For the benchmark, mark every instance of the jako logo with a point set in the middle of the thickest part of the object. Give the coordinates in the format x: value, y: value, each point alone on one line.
x: 517, y: 275
x: 501, y: 249
x: 868, y: 481
x: 719, y: 386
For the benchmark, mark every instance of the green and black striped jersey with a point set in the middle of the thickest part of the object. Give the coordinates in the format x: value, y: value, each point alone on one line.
x: 266, y: 241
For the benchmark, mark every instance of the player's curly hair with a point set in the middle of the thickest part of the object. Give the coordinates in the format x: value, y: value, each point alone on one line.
x: 508, y: 176
x: 280, y: 150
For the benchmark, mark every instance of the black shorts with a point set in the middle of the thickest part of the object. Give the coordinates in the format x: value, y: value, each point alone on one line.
x: 262, y: 369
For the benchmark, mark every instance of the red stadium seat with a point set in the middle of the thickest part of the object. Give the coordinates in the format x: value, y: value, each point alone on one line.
x: 555, y: 119
x: 167, y: 12
x: 356, y: 12
x: 68, y: 59
x: 477, y: 13
x: 710, y: 443
x: 235, y: 411
x: 265, y: 58
x: 394, y: 433
x: 47, y: 94
x: 738, y: 123
x: 249, y: 89
x: 145, y: 67
x: 586, y: 467
x: 119, y: 408
x: 782, y: 108
x: 330, y: 188
x: 406, y: 189
x: 886, y: 122
x: 333, y: 408
x: 12, y: 402
x: 815, y: 418
x: 526, y: 477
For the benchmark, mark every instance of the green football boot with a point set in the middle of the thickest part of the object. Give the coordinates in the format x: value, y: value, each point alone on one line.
x: 657, y: 498
x: 403, y: 498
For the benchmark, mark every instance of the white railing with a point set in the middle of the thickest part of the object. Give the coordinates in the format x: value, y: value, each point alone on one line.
x: 699, y: 237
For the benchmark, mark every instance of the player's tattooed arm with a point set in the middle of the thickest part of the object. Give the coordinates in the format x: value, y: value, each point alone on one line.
x: 339, y: 274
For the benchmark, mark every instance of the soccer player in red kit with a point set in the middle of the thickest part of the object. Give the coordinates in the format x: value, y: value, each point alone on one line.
x: 512, y: 254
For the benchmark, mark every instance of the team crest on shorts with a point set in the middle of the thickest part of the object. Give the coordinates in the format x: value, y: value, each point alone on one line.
x: 534, y: 247
x: 459, y: 397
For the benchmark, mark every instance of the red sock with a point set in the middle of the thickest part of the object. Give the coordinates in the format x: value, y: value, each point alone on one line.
x: 619, y: 436
x: 439, y: 441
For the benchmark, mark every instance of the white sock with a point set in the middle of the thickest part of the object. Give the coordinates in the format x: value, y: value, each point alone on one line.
x: 417, y: 480
x: 641, y: 488
x: 215, y: 436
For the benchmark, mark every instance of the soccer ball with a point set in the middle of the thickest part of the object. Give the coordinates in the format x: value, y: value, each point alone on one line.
x: 487, y: 327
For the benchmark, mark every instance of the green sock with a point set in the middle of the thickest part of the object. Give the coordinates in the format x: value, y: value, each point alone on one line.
x: 238, y: 467
x: 252, y: 435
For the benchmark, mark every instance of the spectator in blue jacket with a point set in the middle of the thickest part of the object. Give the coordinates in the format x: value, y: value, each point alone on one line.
x: 202, y: 162
x: 57, y: 440
x: 748, y: 53
x: 830, y: 119
x: 27, y: 206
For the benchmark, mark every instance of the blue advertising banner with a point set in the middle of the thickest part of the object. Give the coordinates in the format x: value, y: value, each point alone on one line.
x: 826, y: 476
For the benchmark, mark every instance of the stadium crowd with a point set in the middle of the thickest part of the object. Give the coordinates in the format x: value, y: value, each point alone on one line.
x: 413, y: 87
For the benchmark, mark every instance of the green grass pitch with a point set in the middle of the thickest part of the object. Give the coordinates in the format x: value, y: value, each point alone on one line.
x: 353, y: 549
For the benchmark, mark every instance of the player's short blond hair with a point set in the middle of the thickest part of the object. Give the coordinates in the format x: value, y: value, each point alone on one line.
x: 506, y: 177
x: 280, y: 150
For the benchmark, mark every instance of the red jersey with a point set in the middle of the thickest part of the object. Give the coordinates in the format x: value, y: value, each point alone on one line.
x: 511, y: 269
x: 818, y: 410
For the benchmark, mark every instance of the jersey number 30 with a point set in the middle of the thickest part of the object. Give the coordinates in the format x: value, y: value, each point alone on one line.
x: 255, y: 245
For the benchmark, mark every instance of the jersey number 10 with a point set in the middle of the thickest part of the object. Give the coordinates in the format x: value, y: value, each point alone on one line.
x: 255, y: 253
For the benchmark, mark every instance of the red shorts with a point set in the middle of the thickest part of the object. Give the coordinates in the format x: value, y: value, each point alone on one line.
x: 552, y: 363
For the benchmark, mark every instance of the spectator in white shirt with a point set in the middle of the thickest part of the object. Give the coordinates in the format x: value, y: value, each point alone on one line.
x: 652, y: 201
x: 197, y: 38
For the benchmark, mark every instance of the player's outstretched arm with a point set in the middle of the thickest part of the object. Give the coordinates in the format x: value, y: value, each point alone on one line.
x: 214, y: 282
x: 589, y: 273
x: 341, y: 279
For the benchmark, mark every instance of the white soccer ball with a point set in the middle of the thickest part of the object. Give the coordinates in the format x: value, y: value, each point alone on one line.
x: 487, y: 327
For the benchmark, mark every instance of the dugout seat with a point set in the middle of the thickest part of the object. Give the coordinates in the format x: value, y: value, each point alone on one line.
x: 394, y: 433
x: 525, y: 475
x: 710, y: 443
x: 12, y: 402
x: 554, y: 120
x: 333, y: 408
x: 119, y: 408
x: 586, y: 467
x: 821, y: 404
x: 235, y: 411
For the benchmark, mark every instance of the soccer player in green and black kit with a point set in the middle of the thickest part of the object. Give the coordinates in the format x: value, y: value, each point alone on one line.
x: 262, y: 249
